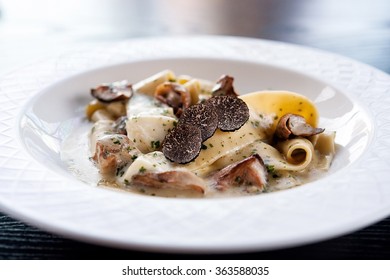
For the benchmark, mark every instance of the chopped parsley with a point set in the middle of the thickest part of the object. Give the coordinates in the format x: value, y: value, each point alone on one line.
x: 120, y: 171
x: 116, y: 141
x: 255, y: 124
x: 142, y: 169
x: 270, y: 168
x: 134, y: 157
x: 155, y: 144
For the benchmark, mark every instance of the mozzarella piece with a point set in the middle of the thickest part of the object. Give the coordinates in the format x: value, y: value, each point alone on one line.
x: 148, y: 132
x: 99, y: 129
x: 148, y: 85
x: 144, y: 105
x: 150, y: 162
x: 148, y: 122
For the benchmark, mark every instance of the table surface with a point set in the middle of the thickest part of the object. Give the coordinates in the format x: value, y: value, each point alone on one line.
x: 359, y: 29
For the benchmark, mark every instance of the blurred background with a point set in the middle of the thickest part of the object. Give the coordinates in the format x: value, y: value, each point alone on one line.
x: 31, y: 30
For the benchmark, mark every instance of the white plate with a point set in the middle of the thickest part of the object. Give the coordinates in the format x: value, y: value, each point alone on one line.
x: 36, y: 186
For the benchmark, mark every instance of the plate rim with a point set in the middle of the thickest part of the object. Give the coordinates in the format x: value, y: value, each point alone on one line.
x: 87, y: 237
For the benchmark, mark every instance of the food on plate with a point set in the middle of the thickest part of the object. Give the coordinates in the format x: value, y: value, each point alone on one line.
x: 295, y: 125
x: 203, y: 117
x: 171, y: 135
x: 183, y: 143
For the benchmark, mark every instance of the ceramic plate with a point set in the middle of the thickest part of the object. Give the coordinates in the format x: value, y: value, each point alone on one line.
x: 42, y: 105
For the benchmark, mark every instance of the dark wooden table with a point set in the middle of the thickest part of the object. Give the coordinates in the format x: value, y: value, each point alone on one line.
x: 357, y: 29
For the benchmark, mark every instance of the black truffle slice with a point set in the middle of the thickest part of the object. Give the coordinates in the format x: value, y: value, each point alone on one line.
x: 116, y: 91
x: 232, y: 112
x: 183, y: 143
x: 203, y: 116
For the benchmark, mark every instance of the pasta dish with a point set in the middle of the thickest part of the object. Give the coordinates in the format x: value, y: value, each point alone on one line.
x: 182, y: 136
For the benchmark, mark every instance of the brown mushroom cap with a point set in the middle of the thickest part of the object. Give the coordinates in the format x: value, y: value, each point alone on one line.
x: 224, y: 86
x: 116, y: 91
x: 295, y: 125
x: 175, y: 179
x: 248, y: 172
x: 174, y: 95
x: 112, y: 152
x: 119, y: 125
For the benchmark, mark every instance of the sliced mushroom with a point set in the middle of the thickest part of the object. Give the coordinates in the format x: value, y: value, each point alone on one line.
x: 120, y: 125
x: 176, y: 179
x: 295, y: 125
x: 112, y: 153
x: 250, y: 172
x: 174, y: 95
x: 116, y: 91
x: 224, y: 86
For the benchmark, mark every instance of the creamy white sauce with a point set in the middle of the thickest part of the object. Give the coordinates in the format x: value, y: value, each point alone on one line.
x: 76, y: 154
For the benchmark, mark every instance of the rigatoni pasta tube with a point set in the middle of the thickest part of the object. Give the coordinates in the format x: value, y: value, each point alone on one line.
x: 148, y: 85
x: 297, y: 151
x: 193, y: 87
x: 270, y: 155
x: 102, y: 114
